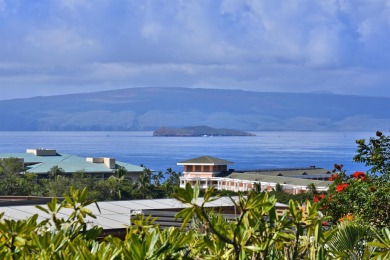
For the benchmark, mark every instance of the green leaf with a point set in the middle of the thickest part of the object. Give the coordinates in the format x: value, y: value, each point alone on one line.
x: 42, y: 208
x: 186, y: 215
x: 208, y: 194
x: 196, y: 193
x: 254, y: 248
x: 83, y: 195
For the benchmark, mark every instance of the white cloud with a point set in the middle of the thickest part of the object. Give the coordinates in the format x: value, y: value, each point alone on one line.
x: 151, y: 31
x: 62, y: 45
x: 280, y: 45
x: 322, y: 48
x: 75, y: 4
x: 2, y: 7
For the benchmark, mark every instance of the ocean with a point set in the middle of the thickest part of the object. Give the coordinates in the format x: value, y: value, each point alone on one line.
x: 264, y: 151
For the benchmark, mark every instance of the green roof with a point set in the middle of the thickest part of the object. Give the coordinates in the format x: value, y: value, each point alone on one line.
x: 69, y: 163
x: 205, y: 160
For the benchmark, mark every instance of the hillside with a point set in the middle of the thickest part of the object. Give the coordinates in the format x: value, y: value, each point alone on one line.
x: 150, y: 108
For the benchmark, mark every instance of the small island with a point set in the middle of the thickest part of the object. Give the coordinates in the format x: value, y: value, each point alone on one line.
x: 192, y: 131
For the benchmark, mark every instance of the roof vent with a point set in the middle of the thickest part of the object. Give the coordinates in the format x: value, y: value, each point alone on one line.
x: 42, y: 152
x: 109, y: 162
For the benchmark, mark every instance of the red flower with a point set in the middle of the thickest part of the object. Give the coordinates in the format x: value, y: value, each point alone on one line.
x: 359, y: 175
x: 318, y: 197
x: 341, y: 187
x: 333, y: 177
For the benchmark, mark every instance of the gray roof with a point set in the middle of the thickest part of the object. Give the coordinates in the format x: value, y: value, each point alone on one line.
x: 114, y: 214
x: 293, y: 172
x: 277, y: 179
x: 69, y: 163
x: 205, y: 160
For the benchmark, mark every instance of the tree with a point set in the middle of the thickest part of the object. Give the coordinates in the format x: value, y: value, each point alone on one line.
x: 28, y: 184
x: 278, y: 187
x: 56, y: 187
x: 110, y: 189
x: 11, y: 165
x: 120, y: 171
x: 350, y: 241
x: 56, y: 171
x: 143, y: 186
x: 13, y: 183
x: 157, y: 177
x: 312, y: 189
x: 364, y: 196
x: 171, y: 183
x: 376, y: 154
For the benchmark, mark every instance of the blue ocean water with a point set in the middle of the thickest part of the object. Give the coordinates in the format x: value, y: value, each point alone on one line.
x: 263, y: 151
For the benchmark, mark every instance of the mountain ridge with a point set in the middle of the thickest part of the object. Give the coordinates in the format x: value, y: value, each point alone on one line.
x: 149, y: 108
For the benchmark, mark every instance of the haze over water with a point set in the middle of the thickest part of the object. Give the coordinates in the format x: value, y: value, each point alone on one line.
x: 265, y: 150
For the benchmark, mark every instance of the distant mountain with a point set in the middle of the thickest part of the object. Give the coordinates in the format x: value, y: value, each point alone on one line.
x: 199, y: 131
x: 150, y: 108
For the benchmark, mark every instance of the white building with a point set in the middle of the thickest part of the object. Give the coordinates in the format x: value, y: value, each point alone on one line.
x: 209, y: 171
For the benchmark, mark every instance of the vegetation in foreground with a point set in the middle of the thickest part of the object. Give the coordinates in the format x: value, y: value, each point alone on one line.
x: 257, y: 233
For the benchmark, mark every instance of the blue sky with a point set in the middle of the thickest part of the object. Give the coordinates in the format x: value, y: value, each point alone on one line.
x: 67, y: 46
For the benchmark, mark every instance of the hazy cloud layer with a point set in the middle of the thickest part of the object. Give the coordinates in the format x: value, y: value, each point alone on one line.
x: 69, y: 46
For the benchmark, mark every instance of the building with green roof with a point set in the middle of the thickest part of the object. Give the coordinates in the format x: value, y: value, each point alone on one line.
x: 41, y: 161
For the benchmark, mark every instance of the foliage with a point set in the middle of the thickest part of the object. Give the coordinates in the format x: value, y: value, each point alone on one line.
x: 11, y: 165
x: 53, y: 238
x: 116, y: 187
x: 382, y: 244
x: 376, y: 154
x: 358, y: 196
x: 12, y: 183
x: 364, y: 196
x: 284, y: 197
x: 172, y: 183
x: 257, y: 232
x: 350, y: 241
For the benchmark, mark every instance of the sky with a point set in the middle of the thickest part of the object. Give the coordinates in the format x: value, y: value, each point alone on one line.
x: 71, y: 46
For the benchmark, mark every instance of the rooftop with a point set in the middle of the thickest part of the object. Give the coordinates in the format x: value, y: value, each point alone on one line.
x: 113, y: 214
x: 205, y: 160
x: 41, y: 164
x: 277, y: 179
x: 290, y: 172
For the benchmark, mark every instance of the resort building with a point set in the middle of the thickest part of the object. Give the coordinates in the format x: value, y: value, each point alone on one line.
x: 41, y: 161
x: 209, y: 171
x: 205, y: 166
